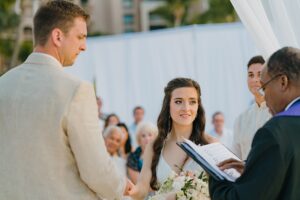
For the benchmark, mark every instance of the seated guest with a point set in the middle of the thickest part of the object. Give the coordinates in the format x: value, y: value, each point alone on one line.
x: 223, y: 134
x: 146, y: 132
x: 111, y: 119
x: 126, y: 147
x: 113, y: 138
x: 138, y: 114
x: 102, y: 116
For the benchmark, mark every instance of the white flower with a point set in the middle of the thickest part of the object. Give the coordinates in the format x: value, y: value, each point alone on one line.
x: 173, y: 175
x: 187, y: 186
x: 178, y: 183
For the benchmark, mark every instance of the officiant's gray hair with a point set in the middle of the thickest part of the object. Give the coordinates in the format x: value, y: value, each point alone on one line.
x: 285, y: 61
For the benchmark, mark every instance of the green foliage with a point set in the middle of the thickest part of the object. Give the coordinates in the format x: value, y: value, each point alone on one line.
x: 164, y: 13
x: 8, y: 19
x: 97, y: 33
x: 220, y: 11
x: 84, y: 2
x: 6, y: 4
x: 6, y: 47
x: 9, y: 22
x: 174, y: 12
x: 26, y: 49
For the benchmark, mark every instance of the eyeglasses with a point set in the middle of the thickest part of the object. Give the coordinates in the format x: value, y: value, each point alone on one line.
x: 261, y: 90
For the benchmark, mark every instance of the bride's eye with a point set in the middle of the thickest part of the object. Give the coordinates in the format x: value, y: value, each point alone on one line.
x: 193, y: 102
x: 178, y: 101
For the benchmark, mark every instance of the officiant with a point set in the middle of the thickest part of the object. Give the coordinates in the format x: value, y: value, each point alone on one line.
x: 272, y: 167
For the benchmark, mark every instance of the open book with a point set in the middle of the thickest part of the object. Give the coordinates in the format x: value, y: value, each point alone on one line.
x: 208, y: 156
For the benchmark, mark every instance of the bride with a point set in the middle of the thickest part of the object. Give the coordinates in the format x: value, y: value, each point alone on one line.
x: 181, y: 116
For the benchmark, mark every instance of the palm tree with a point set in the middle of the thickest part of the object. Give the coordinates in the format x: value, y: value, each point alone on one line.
x: 9, y: 21
x: 220, y: 11
x: 19, y: 34
x: 174, y: 12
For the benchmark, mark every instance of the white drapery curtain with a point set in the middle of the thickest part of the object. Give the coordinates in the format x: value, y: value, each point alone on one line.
x: 272, y: 23
x: 133, y: 69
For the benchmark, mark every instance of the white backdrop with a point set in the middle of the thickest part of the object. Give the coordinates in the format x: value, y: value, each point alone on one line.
x: 133, y: 69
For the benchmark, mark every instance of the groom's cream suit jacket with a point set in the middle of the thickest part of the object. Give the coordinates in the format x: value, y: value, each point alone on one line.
x: 51, y: 147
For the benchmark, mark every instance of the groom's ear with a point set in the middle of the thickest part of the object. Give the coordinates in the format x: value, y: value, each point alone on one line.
x: 57, y: 37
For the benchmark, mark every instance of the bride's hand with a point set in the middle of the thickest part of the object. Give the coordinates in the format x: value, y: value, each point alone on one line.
x: 135, y: 193
x: 129, y: 186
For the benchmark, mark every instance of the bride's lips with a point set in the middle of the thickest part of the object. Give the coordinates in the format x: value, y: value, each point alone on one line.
x: 185, y: 115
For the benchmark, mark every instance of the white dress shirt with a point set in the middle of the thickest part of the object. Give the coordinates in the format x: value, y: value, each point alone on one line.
x: 292, y: 102
x: 246, y: 126
x: 226, y: 137
x: 132, y: 132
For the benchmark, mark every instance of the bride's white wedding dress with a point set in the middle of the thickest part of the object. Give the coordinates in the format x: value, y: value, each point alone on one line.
x: 164, y: 169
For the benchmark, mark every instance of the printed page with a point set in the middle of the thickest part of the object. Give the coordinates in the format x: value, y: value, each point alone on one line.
x: 214, y: 154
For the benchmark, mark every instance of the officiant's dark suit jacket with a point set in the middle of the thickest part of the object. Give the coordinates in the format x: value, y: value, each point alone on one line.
x: 272, y: 168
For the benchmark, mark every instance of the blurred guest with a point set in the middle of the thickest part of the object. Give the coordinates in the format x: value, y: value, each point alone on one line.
x: 126, y: 147
x: 102, y: 116
x: 146, y: 132
x: 138, y: 115
x: 112, y: 119
x: 254, y: 117
x: 113, y: 137
x: 219, y: 131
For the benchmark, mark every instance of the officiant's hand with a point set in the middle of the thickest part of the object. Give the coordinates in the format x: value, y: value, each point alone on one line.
x: 232, y: 163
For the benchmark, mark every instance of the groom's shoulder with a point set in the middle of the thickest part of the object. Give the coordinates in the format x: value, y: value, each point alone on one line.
x: 69, y: 80
x: 72, y: 79
x: 12, y: 73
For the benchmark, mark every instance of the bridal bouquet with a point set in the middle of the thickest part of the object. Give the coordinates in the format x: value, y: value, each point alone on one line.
x: 184, y: 186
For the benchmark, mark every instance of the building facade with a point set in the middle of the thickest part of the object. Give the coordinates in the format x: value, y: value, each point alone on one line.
x: 110, y: 16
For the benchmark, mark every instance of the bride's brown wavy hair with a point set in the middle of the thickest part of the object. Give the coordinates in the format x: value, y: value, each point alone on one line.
x: 164, y: 123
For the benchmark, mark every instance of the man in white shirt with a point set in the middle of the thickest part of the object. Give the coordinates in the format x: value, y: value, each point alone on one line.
x: 138, y: 114
x: 219, y: 131
x: 254, y: 117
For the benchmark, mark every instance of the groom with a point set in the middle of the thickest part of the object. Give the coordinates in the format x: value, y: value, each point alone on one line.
x: 50, y: 141
x: 272, y: 167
